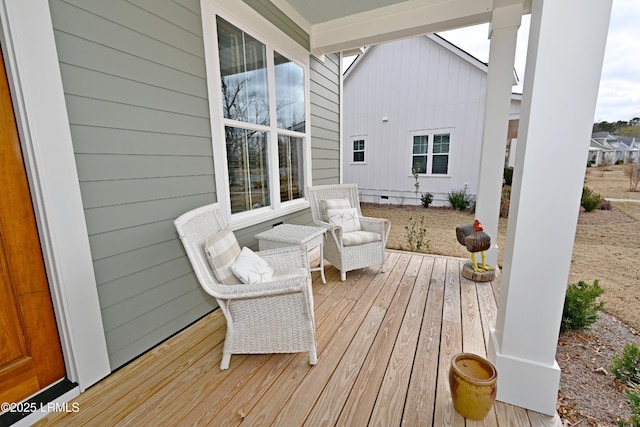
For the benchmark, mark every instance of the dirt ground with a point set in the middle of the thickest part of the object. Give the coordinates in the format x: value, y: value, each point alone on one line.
x: 606, y: 248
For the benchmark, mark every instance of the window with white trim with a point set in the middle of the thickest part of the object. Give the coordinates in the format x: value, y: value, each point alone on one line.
x: 263, y: 109
x: 430, y: 155
x: 358, y: 150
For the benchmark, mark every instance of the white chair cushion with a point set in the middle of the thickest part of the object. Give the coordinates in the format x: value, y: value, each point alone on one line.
x: 333, y: 204
x: 356, y: 238
x: 289, y: 274
x: 222, y: 250
x: 345, y: 218
x: 250, y: 268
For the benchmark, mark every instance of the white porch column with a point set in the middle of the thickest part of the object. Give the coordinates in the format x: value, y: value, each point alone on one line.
x: 503, y: 33
x: 564, y: 63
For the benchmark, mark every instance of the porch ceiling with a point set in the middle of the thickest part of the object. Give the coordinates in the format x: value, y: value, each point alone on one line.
x: 338, y: 25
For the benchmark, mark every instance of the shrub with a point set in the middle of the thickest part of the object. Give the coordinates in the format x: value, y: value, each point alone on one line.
x: 460, y: 200
x: 626, y: 367
x: 633, y: 398
x: 605, y: 205
x: 507, y: 176
x: 416, y: 235
x: 590, y: 199
x: 580, y: 306
x: 427, y: 199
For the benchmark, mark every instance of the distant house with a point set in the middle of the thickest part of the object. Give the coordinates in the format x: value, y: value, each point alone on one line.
x: 612, y: 148
x: 416, y: 106
x: 601, y: 152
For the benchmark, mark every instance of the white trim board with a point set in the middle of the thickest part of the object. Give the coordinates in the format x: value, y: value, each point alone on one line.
x: 34, y: 76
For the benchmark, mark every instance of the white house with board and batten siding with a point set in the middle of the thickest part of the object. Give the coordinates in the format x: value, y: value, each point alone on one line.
x: 416, y: 106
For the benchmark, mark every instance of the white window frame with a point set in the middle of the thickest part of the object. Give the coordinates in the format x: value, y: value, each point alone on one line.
x: 248, y: 20
x: 363, y: 151
x: 431, y: 134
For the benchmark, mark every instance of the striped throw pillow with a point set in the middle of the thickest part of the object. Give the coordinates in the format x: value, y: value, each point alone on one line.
x: 222, y: 250
x: 333, y: 204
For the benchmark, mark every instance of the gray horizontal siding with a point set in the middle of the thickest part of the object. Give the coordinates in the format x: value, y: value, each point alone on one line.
x: 94, y: 167
x: 107, y: 60
x: 135, y: 86
x: 100, y: 140
x: 153, y: 327
x: 120, y: 192
x: 325, y: 119
x: 149, y: 256
x: 133, y: 31
x: 106, y: 87
x: 120, y: 115
x: 329, y: 136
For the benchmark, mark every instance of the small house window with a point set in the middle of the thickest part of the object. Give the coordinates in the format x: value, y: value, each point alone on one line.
x: 430, y: 155
x: 358, y: 150
x: 420, y: 149
x: 440, y: 161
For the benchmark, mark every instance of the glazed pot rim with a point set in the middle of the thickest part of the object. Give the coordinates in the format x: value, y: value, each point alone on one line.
x: 493, y: 372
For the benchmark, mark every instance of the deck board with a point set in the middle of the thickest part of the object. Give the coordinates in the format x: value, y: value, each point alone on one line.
x: 357, y: 409
x: 406, y: 309
x: 450, y: 344
x: 385, y: 341
x: 421, y: 396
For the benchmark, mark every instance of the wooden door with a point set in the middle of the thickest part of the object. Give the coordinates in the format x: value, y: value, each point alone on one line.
x: 30, y: 353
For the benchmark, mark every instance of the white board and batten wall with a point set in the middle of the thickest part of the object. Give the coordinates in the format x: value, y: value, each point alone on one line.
x: 421, y: 87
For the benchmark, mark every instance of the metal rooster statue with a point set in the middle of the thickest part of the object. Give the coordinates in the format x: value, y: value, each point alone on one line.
x: 473, y: 237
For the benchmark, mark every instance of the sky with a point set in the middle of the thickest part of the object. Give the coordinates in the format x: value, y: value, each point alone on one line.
x: 619, y: 93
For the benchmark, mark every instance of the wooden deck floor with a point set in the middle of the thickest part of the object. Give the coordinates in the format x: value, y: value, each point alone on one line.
x: 384, y: 344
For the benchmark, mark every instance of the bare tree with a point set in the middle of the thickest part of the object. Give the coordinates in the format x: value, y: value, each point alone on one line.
x: 632, y: 171
x: 607, y: 160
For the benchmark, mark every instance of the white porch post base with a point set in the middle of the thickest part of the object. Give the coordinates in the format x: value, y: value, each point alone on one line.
x: 526, y: 383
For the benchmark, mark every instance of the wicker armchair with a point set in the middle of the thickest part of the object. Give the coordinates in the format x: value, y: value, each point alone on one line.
x: 349, y: 250
x: 262, y: 318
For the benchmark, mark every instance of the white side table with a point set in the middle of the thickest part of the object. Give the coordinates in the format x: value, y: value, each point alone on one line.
x: 291, y: 234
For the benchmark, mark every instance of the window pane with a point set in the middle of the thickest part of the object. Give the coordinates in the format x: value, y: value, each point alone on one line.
x: 290, y: 158
x: 358, y: 156
x: 440, y: 164
x: 243, y: 72
x: 248, y: 169
x: 289, y: 94
x: 419, y: 164
x: 358, y: 145
x: 441, y: 143
x: 420, y: 144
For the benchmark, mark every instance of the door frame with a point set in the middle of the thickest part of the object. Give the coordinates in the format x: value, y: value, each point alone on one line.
x: 33, y: 72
